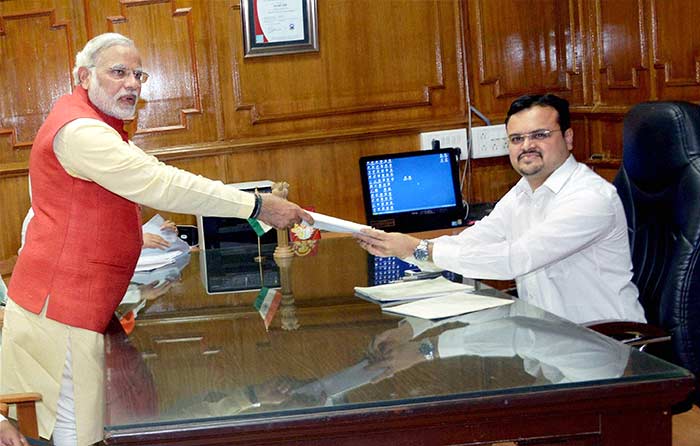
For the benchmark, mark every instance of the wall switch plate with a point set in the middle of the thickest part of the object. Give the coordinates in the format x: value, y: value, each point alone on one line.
x: 448, y: 138
x: 489, y: 141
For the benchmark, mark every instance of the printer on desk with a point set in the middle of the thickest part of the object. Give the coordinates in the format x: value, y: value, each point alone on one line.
x: 231, y: 259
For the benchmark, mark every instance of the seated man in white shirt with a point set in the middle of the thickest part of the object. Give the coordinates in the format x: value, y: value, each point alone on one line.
x: 560, y: 232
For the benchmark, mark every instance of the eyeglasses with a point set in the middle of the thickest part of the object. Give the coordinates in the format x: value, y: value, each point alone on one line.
x: 538, y: 135
x: 119, y: 73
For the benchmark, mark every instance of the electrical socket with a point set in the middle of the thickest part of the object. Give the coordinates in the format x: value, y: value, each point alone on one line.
x: 448, y: 138
x: 489, y: 141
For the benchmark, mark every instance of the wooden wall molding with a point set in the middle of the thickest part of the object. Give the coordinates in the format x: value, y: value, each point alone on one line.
x: 203, y: 150
x: 669, y: 39
x: 423, y: 99
x: 144, y: 124
x: 498, y: 51
x: 627, y: 54
x: 261, y: 112
x: 27, y: 110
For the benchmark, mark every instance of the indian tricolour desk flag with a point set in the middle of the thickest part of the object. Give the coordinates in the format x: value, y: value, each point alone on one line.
x: 267, y: 303
x: 259, y: 227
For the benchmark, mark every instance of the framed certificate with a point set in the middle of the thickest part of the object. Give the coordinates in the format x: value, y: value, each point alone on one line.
x: 279, y: 27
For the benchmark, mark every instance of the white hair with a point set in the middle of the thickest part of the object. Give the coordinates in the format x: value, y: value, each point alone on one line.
x: 87, y: 57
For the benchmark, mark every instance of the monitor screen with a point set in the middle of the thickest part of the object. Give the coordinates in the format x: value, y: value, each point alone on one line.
x: 234, y: 259
x: 412, y: 191
x: 383, y: 270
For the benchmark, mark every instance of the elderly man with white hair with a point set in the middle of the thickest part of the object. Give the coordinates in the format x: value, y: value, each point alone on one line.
x: 81, y: 247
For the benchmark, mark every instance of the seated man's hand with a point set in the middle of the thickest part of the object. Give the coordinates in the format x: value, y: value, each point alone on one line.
x: 399, y: 358
x: 386, y: 244
x: 389, y: 340
x: 169, y: 226
x: 9, y: 436
x: 275, y: 391
x: 154, y: 241
x: 154, y: 290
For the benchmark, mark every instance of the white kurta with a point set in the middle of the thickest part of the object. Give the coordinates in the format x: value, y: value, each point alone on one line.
x: 34, y: 347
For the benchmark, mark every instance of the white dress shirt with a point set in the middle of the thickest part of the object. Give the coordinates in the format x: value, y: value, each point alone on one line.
x: 565, y: 244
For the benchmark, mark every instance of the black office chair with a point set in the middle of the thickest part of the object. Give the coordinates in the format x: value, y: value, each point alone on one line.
x: 659, y: 184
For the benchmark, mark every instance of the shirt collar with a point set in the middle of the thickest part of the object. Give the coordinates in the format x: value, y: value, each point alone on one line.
x: 556, y: 180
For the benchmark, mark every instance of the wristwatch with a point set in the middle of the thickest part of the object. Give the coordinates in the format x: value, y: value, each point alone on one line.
x: 421, y: 252
x: 427, y: 349
x: 252, y: 396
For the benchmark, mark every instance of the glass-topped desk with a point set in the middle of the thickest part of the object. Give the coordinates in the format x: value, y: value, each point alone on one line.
x: 194, y: 363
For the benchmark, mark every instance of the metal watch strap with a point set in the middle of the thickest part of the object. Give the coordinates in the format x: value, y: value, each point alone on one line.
x: 421, y: 252
x: 427, y: 349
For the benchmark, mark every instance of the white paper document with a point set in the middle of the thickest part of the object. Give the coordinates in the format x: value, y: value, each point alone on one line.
x: 447, y: 306
x: 412, y: 289
x: 152, y: 258
x: 343, y: 381
x: 333, y: 224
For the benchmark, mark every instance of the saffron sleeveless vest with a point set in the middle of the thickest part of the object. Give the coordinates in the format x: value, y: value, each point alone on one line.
x: 84, y: 241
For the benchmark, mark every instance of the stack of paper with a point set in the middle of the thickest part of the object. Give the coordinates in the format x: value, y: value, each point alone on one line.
x: 429, y: 299
x: 152, y: 258
x: 333, y: 224
x: 447, y: 306
x: 411, y: 290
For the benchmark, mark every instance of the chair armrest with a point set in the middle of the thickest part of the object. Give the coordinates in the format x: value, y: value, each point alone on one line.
x: 630, y: 333
x: 14, y: 398
x: 26, y: 411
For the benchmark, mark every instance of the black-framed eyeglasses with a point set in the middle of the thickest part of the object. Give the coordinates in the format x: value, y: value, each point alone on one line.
x: 119, y: 72
x: 538, y: 135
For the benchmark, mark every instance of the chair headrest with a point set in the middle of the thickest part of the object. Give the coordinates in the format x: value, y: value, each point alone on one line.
x: 660, y: 139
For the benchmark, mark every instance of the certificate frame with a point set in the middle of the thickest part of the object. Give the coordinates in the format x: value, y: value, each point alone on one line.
x: 282, y: 18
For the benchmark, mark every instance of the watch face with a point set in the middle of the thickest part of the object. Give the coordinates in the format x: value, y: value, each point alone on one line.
x: 421, y: 251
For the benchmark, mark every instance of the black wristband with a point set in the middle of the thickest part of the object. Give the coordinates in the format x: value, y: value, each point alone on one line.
x: 257, y: 207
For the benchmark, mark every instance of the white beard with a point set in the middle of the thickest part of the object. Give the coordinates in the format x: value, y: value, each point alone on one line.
x: 108, y: 104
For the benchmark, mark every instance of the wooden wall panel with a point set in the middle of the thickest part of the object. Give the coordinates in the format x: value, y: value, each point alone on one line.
x: 615, y: 53
x: 386, y: 71
x: 620, y: 43
x: 37, y: 50
x: 514, y: 50
x: 329, y: 179
x: 14, y: 196
x: 675, y: 45
x: 178, y: 103
x: 379, y: 62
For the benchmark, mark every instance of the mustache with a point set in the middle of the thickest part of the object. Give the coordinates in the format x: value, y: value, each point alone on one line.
x: 528, y: 152
x: 125, y: 93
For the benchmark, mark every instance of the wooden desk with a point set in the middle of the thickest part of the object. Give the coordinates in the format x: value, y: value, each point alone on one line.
x: 517, y: 374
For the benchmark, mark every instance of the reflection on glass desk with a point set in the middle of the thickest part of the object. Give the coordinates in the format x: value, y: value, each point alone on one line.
x: 241, y: 268
x: 201, y: 369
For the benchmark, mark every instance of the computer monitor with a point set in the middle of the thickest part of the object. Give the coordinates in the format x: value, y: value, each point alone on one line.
x: 383, y: 270
x: 412, y: 191
x: 231, y: 259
